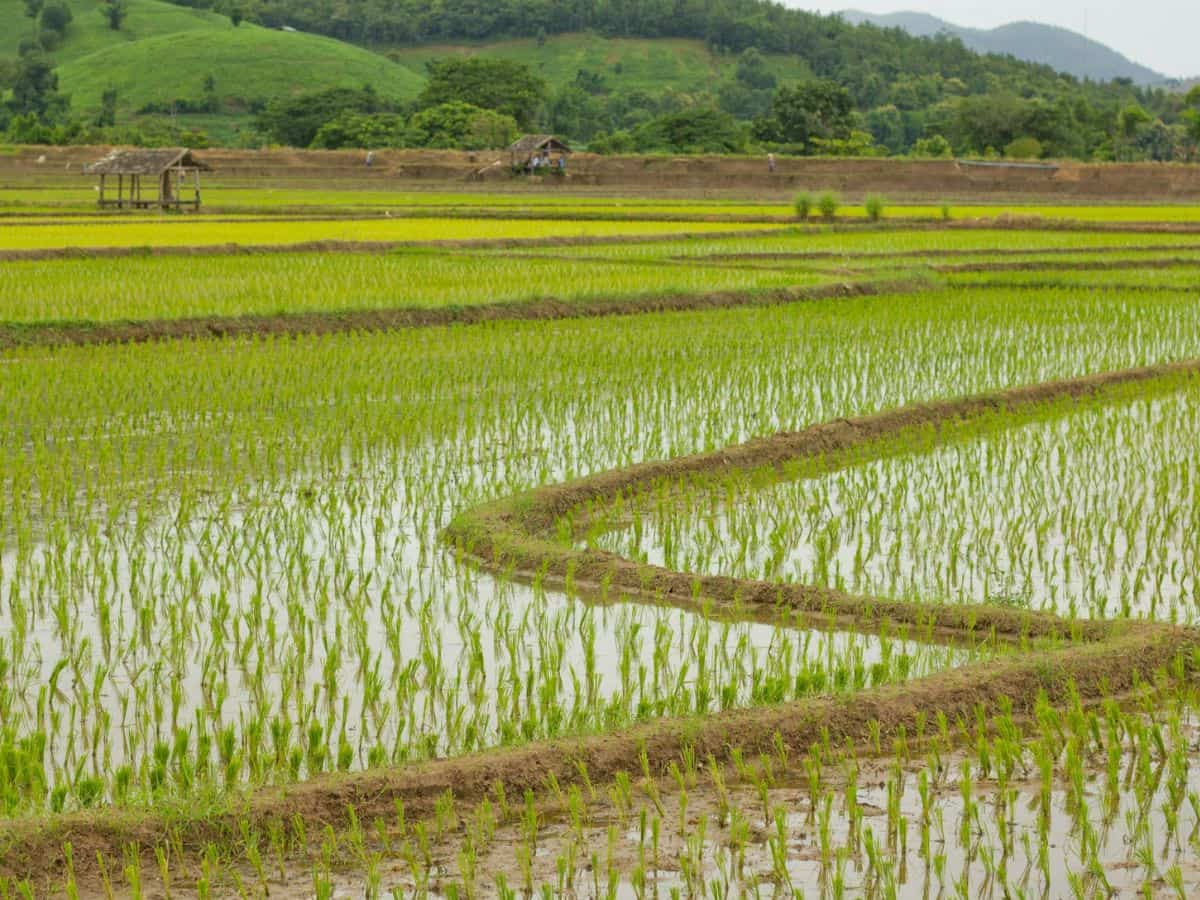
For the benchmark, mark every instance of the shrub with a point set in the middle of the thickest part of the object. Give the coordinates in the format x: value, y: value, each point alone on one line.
x: 874, y: 207
x: 1024, y: 148
x: 946, y: 212
x: 936, y: 147
x: 56, y: 17
x: 804, y: 206
x: 828, y: 203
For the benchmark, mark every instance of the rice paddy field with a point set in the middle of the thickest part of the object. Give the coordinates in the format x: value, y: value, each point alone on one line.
x: 566, y: 551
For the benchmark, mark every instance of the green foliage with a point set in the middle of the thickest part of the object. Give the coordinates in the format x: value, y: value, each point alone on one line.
x: 873, y: 205
x: 461, y: 126
x: 857, y: 143
x: 295, y: 122
x: 510, y: 88
x: 803, y: 203
x: 1024, y: 148
x: 696, y: 130
x: 108, y: 108
x: 933, y: 147
x: 56, y: 17
x: 35, y: 87
x: 363, y: 130
x: 114, y: 13
x: 828, y: 204
x: 805, y: 113
x: 753, y: 71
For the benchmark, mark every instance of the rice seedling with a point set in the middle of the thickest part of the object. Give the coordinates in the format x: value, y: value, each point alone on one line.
x: 421, y: 230
x: 106, y: 290
x: 223, y: 569
x: 1062, y: 543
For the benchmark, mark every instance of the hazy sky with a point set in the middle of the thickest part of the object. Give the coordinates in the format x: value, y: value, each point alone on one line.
x: 1160, y: 34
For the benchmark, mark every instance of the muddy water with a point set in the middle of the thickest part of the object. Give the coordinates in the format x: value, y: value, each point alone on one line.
x: 335, y: 606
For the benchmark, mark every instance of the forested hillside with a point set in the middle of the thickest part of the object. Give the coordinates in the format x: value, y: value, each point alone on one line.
x: 1066, y: 50
x: 725, y: 76
x: 932, y: 94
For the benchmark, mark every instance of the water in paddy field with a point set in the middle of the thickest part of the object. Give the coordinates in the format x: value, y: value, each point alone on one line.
x: 1089, y: 514
x: 268, y: 614
x: 912, y: 832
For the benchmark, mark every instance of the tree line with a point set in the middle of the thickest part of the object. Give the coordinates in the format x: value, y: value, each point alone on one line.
x: 906, y: 94
x: 871, y: 91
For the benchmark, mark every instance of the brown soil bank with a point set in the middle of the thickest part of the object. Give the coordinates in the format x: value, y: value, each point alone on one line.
x: 55, y: 334
x: 665, y: 175
x: 1059, y: 659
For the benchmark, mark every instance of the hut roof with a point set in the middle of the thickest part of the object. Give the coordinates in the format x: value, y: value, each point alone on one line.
x: 145, y: 162
x: 532, y: 143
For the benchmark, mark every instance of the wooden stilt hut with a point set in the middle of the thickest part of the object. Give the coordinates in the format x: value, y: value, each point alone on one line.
x: 539, y: 152
x: 171, y: 178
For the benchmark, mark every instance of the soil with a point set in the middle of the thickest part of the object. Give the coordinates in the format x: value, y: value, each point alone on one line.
x: 945, y: 179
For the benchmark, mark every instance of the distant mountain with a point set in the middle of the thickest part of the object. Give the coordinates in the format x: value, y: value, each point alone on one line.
x: 1061, y: 48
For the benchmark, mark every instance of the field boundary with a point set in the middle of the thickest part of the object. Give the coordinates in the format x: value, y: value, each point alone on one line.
x: 39, y: 254
x: 58, y: 334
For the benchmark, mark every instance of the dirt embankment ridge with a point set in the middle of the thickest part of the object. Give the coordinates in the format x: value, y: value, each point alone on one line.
x: 899, y: 179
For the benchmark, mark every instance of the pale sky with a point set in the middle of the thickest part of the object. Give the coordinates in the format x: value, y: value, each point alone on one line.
x: 1161, y: 34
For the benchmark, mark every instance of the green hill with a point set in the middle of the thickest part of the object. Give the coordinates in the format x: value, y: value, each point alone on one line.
x: 89, y: 31
x: 247, y: 63
x: 163, y: 53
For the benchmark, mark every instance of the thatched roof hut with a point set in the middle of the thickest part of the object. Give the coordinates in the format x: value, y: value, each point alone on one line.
x: 537, y: 146
x: 169, y: 167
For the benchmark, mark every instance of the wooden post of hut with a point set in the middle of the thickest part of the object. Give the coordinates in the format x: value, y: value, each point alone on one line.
x: 169, y: 168
x: 539, y: 154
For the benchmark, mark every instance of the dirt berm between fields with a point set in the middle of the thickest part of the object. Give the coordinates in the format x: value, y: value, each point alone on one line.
x: 899, y: 179
x: 1047, y: 655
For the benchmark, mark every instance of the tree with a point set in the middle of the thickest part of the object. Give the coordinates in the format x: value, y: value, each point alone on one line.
x: 295, y: 121
x: 753, y: 72
x: 33, y: 8
x: 803, y: 112
x: 56, y: 17
x: 933, y: 147
x: 361, y: 130
x: 461, y: 126
x: 1130, y: 121
x: 1024, y: 148
x: 108, y: 108
x: 35, y: 87
x: 1191, y: 117
x: 114, y: 12
x: 508, y: 87
x: 697, y: 130
x: 211, y: 102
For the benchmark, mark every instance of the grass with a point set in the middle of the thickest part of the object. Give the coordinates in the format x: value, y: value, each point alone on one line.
x: 182, y: 232
x: 248, y: 63
x: 89, y: 31
x: 164, y: 52
x: 109, y: 290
